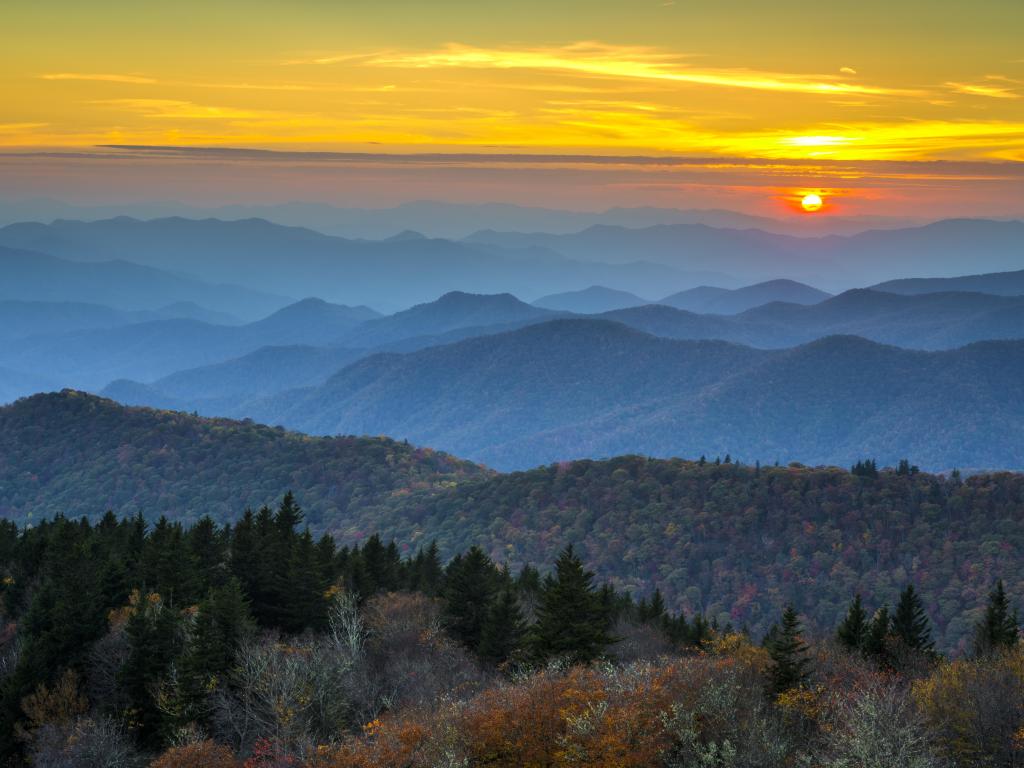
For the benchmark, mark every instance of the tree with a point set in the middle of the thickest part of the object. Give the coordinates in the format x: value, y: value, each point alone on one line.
x: 571, y: 622
x: 470, y: 590
x: 910, y: 622
x: 853, y: 631
x: 153, y: 639
x: 877, y: 634
x: 789, y: 654
x: 503, y: 629
x: 998, y: 629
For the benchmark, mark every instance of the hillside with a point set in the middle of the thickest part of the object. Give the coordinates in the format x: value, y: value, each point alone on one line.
x: 148, y: 351
x: 590, y: 301
x: 589, y: 388
x: 76, y: 454
x: 226, y: 387
x: 997, y: 283
x: 736, y: 542
x: 453, y: 311
x: 722, y: 301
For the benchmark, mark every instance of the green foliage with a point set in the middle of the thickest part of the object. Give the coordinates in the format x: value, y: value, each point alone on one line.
x: 853, y: 631
x: 998, y: 629
x: 572, y: 623
x: 910, y: 622
x: 788, y: 650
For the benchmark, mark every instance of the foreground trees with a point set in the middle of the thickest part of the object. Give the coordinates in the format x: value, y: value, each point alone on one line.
x: 266, y: 647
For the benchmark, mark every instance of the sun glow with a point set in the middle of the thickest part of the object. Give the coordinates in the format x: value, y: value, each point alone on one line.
x: 811, y: 203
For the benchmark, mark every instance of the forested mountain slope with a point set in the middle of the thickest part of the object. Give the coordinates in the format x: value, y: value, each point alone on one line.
x: 735, y: 542
x: 76, y: 454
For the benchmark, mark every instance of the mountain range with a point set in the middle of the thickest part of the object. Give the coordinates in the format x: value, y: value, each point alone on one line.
x: 567, y: 389
x: 834, y: 262
x: 389, y: 274
x: 442, y: 219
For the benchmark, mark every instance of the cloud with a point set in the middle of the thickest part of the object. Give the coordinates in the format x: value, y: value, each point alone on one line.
x: 979, y: 89
x: 186, y: 110
x: 105, y: 78
x: 848, y: 70
x: 623, y: 62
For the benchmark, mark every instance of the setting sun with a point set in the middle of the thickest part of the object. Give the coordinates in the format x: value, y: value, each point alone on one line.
x: 811, y: 203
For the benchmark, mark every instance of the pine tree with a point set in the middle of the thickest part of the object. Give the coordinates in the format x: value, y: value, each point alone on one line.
x: 471, y: 587
x: 853, y: 631
x: 571, y: 620
x: 789, y: 654
x: 503, y: 629
x: 910, y: 622
x: 877, y: 633
x: 998, y: 629
x: 153, y: 642
x: 222, y: 622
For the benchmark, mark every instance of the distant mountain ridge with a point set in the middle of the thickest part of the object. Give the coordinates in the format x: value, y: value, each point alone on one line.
x: 723, y: 301
x: 121, y: 285
x: 584, y: 388
x: 998, y: 284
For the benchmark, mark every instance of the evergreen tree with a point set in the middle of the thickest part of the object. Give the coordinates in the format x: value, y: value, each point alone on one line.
x: 153, y: 642
x: 998, y: 629
x: 571, y: 620
x: 877, y: 634
x: 789, y: 654
x: 222, y: 622
x: 471, y: 587
x: 503, y: 629
x: 853, y: 631
x: 910, y: 622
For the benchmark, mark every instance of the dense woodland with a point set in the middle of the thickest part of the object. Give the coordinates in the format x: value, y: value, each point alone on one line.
x: 126, y: 644
x: 735, y: 542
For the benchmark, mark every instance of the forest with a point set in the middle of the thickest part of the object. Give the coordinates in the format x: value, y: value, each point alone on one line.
x: 258, y: 644
x: 721, y: 536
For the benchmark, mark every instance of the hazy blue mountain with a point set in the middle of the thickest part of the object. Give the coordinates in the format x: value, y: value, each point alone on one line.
x: 21, y: 319
x: 836, y: 262
x: 590, y: 301
x: 390, y: 274
x: 572, y: 388
x: 930, y: 321
x: 723, y: 301
x: 997, y: 283
x: 455, y: 310
x: 226, y: 387
x: 33, y: 276
x: 310, y: 321
x: 90, y: 359
x: 442, y: 219
x: 189, y: 310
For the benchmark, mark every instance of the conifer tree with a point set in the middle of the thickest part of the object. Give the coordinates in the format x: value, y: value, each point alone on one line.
x: 571, y: 620
x: 910, y: 622
x: 998, y: 629
x: 471, y: 587
x: 853, y: 630
x: 503, y: 629
x: 877, y: 633
x: 152, y: 632
x: 789, y: 653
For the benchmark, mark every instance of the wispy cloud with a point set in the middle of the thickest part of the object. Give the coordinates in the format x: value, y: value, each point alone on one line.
x: 985, y: 89
x: 624, y: 62
x: 104, y: 78
x: 185, y: 110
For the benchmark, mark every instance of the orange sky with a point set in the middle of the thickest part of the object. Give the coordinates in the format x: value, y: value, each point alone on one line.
x: 915, y: 109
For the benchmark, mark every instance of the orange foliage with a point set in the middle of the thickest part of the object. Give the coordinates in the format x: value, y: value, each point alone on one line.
x: 203, y: 754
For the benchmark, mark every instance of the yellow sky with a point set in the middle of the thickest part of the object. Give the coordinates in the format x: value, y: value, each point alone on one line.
x: 871, y: 81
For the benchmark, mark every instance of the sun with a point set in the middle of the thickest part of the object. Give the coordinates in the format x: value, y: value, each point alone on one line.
x: 811, y: 203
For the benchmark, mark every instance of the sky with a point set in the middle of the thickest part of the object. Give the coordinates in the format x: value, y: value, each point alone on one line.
x: 909, y: 109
